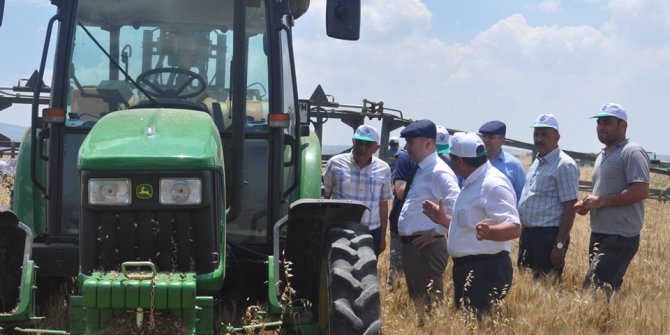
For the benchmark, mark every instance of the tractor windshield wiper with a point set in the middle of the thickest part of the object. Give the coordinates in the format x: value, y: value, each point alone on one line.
x: 111, y: 59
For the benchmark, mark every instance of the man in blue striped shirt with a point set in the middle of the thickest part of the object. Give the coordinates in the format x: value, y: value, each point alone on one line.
x: 493, y: 135
x: 546, y: 205
x: 361, y: 176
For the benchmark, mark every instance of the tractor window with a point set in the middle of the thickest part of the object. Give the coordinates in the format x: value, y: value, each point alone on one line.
x: 184, y: 68
x: 179, y: 58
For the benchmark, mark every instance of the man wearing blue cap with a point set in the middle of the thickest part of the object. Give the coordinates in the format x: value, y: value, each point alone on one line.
x: 620, y: 185
x: 424, y: 251
x: 361, y: 176
x: 403, y: 173
x: 493, y: 135
x: 547, y: 201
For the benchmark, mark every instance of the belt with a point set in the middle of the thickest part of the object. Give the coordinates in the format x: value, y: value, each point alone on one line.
x: 480, y: 257
x: 409, y: 238
x: 537, y: 229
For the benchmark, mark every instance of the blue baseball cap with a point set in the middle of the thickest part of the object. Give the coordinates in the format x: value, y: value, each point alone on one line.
x: 420, y: 128
x: 493, y: 128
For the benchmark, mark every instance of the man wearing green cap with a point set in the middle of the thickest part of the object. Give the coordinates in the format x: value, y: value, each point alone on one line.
x: 620, y: 185
x: 361, y: 176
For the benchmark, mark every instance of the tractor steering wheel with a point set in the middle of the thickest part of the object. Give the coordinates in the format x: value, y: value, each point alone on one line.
x: 156, y: 91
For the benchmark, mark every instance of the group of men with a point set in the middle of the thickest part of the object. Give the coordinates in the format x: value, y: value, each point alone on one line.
x: 464, y: 197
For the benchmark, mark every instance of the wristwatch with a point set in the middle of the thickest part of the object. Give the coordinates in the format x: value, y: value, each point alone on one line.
x: 559, y: 245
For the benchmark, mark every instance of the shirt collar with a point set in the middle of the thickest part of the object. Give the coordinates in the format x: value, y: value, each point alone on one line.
x: 500, y: 156
x: 476, y: 174
x: 428, y: 161
x: 353, y: 161
x: 618, y: 145
x: 551, y: 156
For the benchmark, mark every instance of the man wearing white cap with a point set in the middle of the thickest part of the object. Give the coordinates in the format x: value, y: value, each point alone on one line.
x: 547, y: 203
x: 394, y: 146
x: 361, y: 176
x: 442, y: 144
x: 484, y: 223
x: 620, y: 185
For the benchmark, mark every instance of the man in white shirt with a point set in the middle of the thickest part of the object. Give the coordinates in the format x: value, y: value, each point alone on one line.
x: 361, y: 176
x: 424, y: 251
x: 484, y: 223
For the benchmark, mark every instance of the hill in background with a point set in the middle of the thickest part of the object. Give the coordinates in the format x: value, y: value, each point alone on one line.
x: 12, y: 131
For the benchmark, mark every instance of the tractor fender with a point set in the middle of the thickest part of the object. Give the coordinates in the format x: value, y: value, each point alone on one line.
x: 308, y: 223
x: 16, y: 269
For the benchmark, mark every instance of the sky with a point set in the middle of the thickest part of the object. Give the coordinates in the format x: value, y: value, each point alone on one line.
x: 461, y: 63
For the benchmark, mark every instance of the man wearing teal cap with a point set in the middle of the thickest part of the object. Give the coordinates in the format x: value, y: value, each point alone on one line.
x: 361, y: 176
x: 620, y: 185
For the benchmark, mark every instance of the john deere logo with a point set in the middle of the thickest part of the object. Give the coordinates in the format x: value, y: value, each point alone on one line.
x: 144, y: 191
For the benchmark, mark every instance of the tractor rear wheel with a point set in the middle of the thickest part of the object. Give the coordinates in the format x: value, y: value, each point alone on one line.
x: 353, y: 287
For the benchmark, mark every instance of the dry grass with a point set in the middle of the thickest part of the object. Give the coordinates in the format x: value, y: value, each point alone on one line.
x: 537, y: 307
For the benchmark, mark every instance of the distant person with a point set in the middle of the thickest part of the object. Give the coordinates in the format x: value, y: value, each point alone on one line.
x: 442, y: 144
x: 359, y: 175
x: 620, y: 186
x: 402, y: 175
x: 424, y: 250
x: 481, y: 230
x: 547, y: 203
x: 493, y: 134
x: 394, y: 146
x: 8, y: 167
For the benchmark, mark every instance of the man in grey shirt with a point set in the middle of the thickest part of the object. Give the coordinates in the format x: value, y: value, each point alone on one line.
x: 620, y: 185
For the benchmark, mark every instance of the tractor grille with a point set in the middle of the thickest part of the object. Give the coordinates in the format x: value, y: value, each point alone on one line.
x: 176, y: 238
x: 165, y: 238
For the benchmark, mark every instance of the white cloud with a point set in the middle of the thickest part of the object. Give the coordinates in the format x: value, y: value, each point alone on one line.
x: 550, y: 6
x: 511, y: 71
x: 626, y: 7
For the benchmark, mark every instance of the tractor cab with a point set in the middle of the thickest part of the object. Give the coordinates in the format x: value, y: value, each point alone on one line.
x: 144, y: 57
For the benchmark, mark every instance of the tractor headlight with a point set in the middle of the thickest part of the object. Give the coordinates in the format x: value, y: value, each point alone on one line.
x: 103, y: 191
x: 180, y: 191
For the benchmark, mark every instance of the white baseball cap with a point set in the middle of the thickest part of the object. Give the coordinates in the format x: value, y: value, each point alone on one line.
x: 612, y: 109
x: 442, y: 140
x: 366, y: 133
x: 546, y: 121
x: 466, y: 144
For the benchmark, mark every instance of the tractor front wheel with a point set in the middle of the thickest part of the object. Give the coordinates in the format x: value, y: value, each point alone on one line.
x: 353, y: 287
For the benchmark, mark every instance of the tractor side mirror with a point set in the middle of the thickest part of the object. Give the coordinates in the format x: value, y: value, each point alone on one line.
x: 304, y: 115
x: 343, y: 19
x: 2, y: 10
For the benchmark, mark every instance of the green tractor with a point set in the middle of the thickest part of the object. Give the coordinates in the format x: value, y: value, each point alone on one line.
x: 174, y: 175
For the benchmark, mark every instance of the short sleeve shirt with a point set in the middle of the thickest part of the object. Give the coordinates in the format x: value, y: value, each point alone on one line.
x: 613, y: 171
x: 487, y: 194
x: 550, y: 181
x: 404, y: 166
x: 343, y: 179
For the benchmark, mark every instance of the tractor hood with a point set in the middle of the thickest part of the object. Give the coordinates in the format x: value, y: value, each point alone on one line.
x: 152, y: 139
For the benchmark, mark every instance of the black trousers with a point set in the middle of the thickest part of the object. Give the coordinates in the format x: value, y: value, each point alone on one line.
x: 609, y: 257
x: 479, y: 280
x: 535, y: 247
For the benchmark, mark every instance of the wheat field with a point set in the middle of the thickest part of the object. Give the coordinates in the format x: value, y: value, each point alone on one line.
x: 540, y: 307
